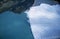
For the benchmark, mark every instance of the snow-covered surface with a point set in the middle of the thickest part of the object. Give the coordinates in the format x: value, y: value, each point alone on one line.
x: 45, y: 21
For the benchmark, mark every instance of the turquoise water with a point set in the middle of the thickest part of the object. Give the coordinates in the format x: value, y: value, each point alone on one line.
x: 14, y: 26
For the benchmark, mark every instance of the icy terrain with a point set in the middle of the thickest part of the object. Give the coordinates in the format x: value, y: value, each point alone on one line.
x: 45, y: 21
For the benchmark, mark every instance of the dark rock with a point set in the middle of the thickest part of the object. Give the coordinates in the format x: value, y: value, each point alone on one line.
x: 17, y: 6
